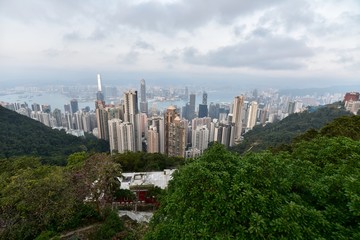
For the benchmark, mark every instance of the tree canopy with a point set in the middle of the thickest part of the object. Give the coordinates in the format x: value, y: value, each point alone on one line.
x: 310, y: 193
x: 37, y: 198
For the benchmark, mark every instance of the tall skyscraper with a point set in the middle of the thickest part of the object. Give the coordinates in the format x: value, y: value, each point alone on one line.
x: 131, y: 114
x: 58, y: 117
x: 188, y: 111
x: 153, y: 140
x: 67, y: 108
x: 203, y: 108
x: 36, y: 107
x: 113, y: 137
x: 175, y: 133
x: 143, y: 101
x: 69, y: 121
x: 102, y: 120
x: 251, y: 121
x: 121, y: 136
x: 291, y: 107
x: 214, y: 110
x: 204, y: 98
x: 86, y: 122
x: 157, y: 124
x: 99, y: 94
x: 201, y: 138
x: 130, y: 106
x: 74, y: 106
x: 192, y: 106
x: 237, y: 117
x: 186, y: 94
x: 78, y: 123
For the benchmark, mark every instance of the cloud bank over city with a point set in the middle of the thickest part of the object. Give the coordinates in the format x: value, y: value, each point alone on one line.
x: 261, y: 40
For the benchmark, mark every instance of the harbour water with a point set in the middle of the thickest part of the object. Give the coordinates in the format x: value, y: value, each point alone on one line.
x: 57, y: 100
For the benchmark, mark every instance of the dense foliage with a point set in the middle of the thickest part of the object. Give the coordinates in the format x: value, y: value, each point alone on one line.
x: 143, y: 162
x: 20, y: 135
x: 275, y: 134
x: 44, y: 200
x: 311, y: 193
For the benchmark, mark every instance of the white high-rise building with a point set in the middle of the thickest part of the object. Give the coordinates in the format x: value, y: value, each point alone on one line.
x: 131, y: 114
x: 86, y: 122
x: 126, y: 136
x: 78, y: 120
x: 251, y: 120
x: 201, y: 138
x: 130, y: 106
x: 121, y: 136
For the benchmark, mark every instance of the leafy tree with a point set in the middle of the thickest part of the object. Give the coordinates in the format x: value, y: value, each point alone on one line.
x: 30, y: 200
x: 43, y: 199
x: 306, y: 194
x: 142, y: 162
x: 111, y: 226
x: 98, y: 179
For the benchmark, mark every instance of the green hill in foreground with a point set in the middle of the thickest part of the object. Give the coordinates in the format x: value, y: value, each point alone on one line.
x: 310, y: 191
x: 276, y: 134
x: 20, y: 135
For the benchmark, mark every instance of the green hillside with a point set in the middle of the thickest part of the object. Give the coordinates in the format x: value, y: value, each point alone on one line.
x: 311, y: 191
x: 283, y: 132
x: 20, y: 135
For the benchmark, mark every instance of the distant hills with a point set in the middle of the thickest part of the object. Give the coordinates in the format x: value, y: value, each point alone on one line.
x: 274, y: 135
x: 317, y: 91
x: 20, y: 135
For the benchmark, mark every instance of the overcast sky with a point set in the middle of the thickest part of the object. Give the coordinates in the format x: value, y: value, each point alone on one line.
x: 293, y: 41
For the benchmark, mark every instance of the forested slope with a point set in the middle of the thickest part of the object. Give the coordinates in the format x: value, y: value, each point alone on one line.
x: 20, y: 135
x: 283, y: 132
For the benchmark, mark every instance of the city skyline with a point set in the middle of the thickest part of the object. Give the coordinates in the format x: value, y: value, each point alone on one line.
x: 183, y: 131
x: 271, y: 43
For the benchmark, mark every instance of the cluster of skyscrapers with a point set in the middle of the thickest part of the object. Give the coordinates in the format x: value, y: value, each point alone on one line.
x: 183, y: 132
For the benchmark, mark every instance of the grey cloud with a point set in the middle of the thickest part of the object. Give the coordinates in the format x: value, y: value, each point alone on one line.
x: 57, y: 12
x: 349, y: 57
x: 51, y: 52
x: 143, y: 45
x: 129, y: 58
x: 72, y: 36
x: 345, y: 58
x: 261, y: 32
x: 273, y: 53
x: 184, y: 15
x: 171, y: 58
x: 97, y: 34
x: 239, y: 30
x: 290, y: 16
